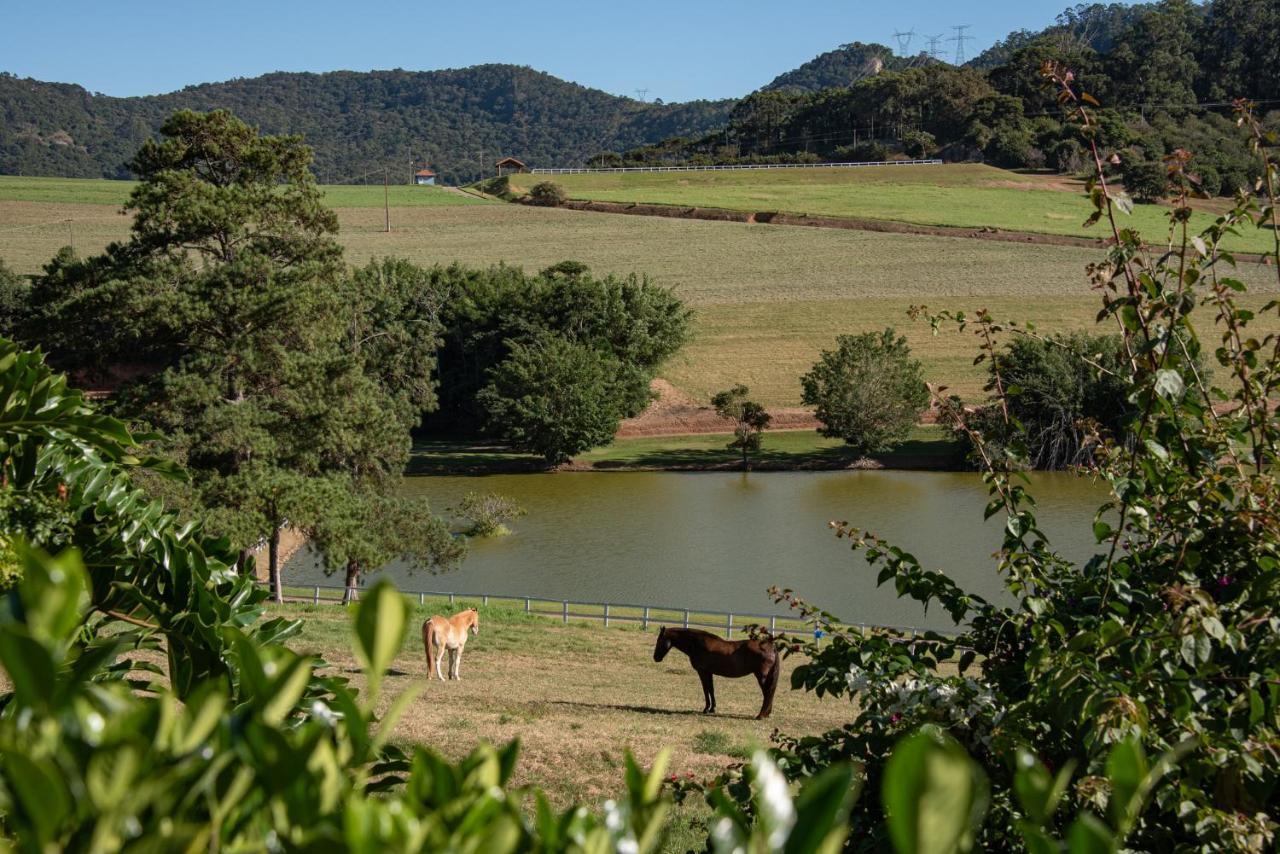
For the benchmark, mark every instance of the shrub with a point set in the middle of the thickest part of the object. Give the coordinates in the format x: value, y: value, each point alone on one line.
x: 489, y: 512
x: 868, y: 391
x: 548, y: 195
x: 1210, y: 180
x: 1145, y: 180
x: 863, y: 152
x: 1065, y: 156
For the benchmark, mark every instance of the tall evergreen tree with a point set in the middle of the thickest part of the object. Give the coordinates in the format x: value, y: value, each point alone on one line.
x: 261, y: 354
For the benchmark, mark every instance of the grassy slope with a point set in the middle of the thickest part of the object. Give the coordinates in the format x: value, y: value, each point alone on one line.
x: 576, y: 696
x: 767, y: 298
x: 962, y: 194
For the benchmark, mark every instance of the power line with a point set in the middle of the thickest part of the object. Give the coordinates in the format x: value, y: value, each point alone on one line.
x: 960, y: 38
x: 640, y: 93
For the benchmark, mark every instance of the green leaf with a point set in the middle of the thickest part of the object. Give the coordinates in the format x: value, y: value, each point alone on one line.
x: 822, y: 810
x: 934, y: 794
x: 1088, y: 835
x: 380, y: 623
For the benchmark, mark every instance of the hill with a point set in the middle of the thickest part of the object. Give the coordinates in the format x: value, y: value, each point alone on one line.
x: 841, y: 67
x: 458, y: 121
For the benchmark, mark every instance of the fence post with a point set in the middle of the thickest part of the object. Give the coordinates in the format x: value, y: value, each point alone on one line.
x: 451, y: 600
x: 565, y: 603
x: 526, y: 604
x: 484, y: 600
x: 646, y: 616
x: 316, y: 599
x: 422, y: 599
x: 606, y: 615
x: 729, y: 627
x: 773, y: 624
x: 686, y: 619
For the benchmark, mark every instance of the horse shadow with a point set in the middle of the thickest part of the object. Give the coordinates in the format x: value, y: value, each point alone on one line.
x: 647, y: 710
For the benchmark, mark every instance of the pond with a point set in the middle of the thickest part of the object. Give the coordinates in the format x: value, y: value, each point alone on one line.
x: 718, y: 540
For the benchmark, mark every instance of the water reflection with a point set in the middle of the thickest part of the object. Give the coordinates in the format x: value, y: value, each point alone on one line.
x: 718, y: 540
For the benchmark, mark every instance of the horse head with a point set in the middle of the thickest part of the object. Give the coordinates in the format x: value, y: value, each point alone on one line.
x: 474, y: 621
x: 663, y: 645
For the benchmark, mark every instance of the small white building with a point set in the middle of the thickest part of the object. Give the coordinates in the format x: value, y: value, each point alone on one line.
x: 424, y: 177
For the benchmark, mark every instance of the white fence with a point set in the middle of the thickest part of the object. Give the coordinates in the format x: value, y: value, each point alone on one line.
x: 607, y: 612
x: 860, y: 165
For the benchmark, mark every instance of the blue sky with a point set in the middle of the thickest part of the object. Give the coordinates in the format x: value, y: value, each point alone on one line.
x: 678, y: 51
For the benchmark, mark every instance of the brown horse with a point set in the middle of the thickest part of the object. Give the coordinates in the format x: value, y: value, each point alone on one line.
x: 715, y: 656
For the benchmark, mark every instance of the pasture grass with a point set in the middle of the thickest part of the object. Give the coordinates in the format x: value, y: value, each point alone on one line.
x: 96, y: 191
x: 576, y: 697
x: 927, y: 444
x: 965, y: 195
x: 767, y: 299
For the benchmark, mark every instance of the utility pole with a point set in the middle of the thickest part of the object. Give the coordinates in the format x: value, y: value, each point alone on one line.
x: 640, y: 93
x: 960, y: 38
x: 386, y: 197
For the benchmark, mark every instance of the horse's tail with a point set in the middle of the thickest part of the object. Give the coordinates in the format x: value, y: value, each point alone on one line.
x: 426, y: 645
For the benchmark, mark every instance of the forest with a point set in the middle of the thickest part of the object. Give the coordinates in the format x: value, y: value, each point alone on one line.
x: 1167, y: 73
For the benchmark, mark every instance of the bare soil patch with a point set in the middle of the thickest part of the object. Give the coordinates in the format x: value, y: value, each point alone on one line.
x: 675, y: 413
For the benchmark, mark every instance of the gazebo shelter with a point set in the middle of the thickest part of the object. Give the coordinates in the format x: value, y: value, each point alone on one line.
x: 508, y: 165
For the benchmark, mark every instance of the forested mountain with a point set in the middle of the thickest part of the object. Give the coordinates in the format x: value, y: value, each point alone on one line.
x: 841, y: 67
x: 1164, y: 73
x: 457, y: 121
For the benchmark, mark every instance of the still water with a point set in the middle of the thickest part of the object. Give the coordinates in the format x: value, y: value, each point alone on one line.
x: 718, y: 540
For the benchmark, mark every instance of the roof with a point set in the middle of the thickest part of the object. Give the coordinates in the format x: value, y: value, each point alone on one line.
x: 424, y: 173
x: 510, y: 161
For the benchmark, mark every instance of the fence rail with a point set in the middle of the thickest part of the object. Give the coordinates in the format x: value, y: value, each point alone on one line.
x: 571, y: 170
x: 606, y: 612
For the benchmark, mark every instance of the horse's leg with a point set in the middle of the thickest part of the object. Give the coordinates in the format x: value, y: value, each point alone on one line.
x: 768, y: 685
x: 457, y: 664
x: 440, y: 660
x: 708, y: 692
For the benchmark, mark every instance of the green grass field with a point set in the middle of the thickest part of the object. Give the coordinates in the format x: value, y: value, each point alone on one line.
x: 89, y: 191
x: 962, y: 194
x: 767, y: 298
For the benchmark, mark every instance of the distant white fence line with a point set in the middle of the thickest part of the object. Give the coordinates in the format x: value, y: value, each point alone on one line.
x: 608, y: 612
x: 859, y: 165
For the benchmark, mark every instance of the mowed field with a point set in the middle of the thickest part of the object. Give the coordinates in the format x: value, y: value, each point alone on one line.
x: 576, y: 696
x: 967, y: 195
x: 767, y: 298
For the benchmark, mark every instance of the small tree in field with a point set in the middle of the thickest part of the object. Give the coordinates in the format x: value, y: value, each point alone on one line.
x: 868, y: 391
x: 548, y: 195
x: 749, y: 418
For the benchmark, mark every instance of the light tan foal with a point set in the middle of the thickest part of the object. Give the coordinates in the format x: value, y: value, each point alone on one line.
x: 441, y: 634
